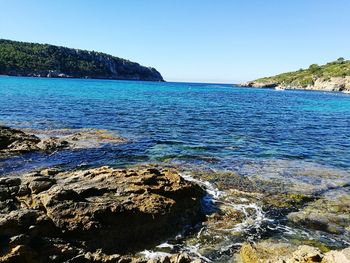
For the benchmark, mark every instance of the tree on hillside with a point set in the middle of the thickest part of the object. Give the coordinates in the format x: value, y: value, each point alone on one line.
x: 340, y: 60
x: 314, y: 68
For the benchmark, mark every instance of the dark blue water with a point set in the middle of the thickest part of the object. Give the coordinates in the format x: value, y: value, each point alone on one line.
x: 217, y: 126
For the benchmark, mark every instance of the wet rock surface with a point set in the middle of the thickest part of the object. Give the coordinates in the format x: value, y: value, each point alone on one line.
x: 14, y: 142
x: 256, y: 208
x: 330, y: 212
x: 93, y: 215
x: 132, y: 215
x: 78, y: 138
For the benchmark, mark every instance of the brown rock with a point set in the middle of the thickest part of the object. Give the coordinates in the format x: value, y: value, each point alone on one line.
x: 118, y: 211
x: 40, y: 184
x: 20, y: 253
x: 306, y: 254
x: 265, y: 252
x: 12, y: 140
x: 278, y: 252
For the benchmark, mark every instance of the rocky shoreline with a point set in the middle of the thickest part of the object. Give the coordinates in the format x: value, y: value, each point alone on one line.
x: 105, y: 214
x: 337, y: 84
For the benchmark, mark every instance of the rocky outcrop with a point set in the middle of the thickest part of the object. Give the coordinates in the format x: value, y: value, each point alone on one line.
x: 93, y: 215
x: 13, y: 141
x: 341, y: 84
x: 278, y: 252
x: 255, y: 84
x: 42, y: 60
x: 332, y: 84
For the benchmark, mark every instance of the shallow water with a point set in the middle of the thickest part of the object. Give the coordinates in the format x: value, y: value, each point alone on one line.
x: 297, y: 138
x: 218, y: 126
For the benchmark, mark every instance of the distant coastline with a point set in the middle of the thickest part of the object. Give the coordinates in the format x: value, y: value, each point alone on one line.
x: 78, y: 78
x: 334, y: 76
x: 24, y: 59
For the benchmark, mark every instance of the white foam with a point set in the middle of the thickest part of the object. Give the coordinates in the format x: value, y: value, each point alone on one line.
x: 165, y: 245
x: 154, y: 254
x: 210, y: 189
x: 254, y: 217
x: 214, y: 195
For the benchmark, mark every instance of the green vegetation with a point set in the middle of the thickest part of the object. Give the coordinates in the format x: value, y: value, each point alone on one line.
x: 305, y: 77
x: 31, y: 59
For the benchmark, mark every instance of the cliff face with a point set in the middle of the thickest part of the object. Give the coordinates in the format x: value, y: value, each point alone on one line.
x: 333, y: 76
x: 333, y: 84
x: 42, y: 60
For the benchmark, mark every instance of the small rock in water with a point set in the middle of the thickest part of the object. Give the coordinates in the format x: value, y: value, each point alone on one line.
x: 14, y: 142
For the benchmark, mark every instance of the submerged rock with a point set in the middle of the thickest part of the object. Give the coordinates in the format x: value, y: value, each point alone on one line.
x: 14, y: 142
x: 330, y: 213
x: 253, y: 208
x: 60, y: 216
x: 80, y: 138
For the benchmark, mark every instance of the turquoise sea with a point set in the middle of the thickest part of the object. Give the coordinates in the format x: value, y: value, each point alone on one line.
x: 296, y: 139
x: 211, y: 125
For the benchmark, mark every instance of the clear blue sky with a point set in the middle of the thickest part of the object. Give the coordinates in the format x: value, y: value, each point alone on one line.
x: 190, y: 40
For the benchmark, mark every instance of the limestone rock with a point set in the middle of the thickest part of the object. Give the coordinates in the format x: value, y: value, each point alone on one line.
x: 337, y: 256
x: 279, y: 252
x: 71, y: 214
x: 256, y: 84
x: 306, y: 254
x: 265, y: 252
x: 332, y: 84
